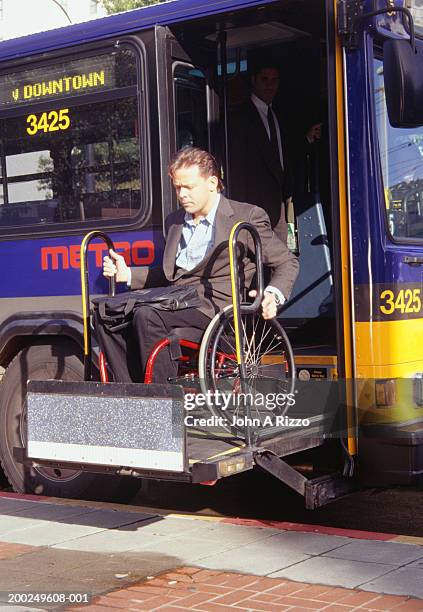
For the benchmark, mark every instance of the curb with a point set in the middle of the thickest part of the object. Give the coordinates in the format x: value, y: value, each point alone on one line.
x: 282, y: 525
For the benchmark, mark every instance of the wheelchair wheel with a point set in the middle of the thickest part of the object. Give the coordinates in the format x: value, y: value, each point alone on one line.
x: 270, y: 369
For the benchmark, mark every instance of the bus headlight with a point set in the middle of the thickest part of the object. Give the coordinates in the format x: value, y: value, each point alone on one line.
x: 386, y: 392
x: 418, y: 389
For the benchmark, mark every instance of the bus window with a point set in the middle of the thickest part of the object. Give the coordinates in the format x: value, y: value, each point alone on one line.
x: 401, y: 155
x: 74, y: 156
x: 190, y: 107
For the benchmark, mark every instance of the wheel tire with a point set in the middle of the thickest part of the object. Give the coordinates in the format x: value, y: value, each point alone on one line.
x: 43, y: 362
x: 208, y: 382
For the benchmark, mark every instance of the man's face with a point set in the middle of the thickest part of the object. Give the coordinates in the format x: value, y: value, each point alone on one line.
x: 265, y: 84
x: 195, y: 193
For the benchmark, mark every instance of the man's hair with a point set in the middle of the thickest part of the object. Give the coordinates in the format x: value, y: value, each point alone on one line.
x: 259, y: 65
x: 193, y: 156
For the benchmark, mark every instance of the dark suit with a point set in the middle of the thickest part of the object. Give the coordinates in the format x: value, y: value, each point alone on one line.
x: 255, y: 174
x: 212, y: 279
x: 212, y: 274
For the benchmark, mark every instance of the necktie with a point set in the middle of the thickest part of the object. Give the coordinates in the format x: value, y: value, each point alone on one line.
x: 273, y: 135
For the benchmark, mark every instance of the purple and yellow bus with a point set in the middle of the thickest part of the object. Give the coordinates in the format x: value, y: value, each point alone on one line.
x: 90, y: 116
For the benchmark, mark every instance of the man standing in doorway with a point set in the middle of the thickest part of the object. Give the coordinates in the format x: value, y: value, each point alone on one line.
x: 258, y: 158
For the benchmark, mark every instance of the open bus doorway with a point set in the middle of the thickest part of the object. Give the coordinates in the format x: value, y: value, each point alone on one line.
x: 292, y: 37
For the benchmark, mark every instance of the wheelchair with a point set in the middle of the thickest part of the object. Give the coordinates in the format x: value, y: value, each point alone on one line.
x: 240, y: 356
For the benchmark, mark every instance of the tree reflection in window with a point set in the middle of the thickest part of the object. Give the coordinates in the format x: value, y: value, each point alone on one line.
x: 401, y: 157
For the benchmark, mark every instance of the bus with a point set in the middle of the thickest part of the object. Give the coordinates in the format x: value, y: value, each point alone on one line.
x: 90, y: 116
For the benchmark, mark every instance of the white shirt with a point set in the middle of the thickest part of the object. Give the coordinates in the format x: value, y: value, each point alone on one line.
x: 197, y: 238
x: 262, y: 109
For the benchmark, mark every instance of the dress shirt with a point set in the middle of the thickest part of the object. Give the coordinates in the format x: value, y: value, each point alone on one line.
x: 197, y: 239
x: 262, y: 109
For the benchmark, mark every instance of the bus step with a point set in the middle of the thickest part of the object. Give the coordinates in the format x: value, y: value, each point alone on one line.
x: 317, y: 491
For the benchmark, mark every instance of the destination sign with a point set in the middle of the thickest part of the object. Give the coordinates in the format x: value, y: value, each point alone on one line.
x: 66, y: 79
x: 67, y: 84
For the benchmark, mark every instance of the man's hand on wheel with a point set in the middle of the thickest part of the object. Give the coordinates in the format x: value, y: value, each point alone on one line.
x: 115, y: 264
x: 268, y: 304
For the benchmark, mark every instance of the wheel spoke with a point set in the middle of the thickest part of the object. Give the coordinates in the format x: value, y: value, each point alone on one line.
x: 261, y: 341
x: 245, y: 336
x: 252, y: 342
x: 250, y: 349
x: 270, y: 349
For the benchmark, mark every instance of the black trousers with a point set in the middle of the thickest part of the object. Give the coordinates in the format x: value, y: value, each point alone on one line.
x: 127, y: 351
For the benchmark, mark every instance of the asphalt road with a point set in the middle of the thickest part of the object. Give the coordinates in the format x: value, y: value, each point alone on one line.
x: 257, y: 495
x: 260, y: 496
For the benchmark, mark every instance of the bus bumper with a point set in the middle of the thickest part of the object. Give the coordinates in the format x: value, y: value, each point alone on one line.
x: 391, y: 454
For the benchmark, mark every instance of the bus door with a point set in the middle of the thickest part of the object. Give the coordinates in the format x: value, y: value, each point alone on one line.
x: 188, y: 106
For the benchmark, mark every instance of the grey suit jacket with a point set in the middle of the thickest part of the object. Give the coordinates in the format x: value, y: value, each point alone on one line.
x: 212, y: 275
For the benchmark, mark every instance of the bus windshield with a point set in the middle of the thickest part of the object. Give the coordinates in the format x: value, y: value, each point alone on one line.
x: 401, y: 155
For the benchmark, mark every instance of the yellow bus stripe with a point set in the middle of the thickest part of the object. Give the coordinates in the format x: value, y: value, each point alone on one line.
x: 388, y: 344
x: 345, y: 241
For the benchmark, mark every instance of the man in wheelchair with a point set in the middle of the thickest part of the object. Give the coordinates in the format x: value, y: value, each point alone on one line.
x: 196, y: 254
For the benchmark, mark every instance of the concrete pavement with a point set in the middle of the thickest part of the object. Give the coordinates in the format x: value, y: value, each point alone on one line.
x: 65, y: 547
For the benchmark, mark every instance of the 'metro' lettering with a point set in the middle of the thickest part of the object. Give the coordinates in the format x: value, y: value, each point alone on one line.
x: 54, y: 258
x: 139, y: 253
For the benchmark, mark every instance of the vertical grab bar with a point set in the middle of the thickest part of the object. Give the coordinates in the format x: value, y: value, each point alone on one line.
x: 236, y: 299
x: 85, y: 294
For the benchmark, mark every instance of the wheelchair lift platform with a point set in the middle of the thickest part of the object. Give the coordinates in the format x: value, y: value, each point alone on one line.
x: 141, y: 430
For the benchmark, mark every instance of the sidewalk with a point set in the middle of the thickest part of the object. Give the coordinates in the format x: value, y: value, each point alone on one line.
x: 114, y: 553
x: 190, y: 588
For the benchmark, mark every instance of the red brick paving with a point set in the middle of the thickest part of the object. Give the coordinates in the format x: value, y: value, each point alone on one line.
x: 8, y: 550
x: 190, y: 588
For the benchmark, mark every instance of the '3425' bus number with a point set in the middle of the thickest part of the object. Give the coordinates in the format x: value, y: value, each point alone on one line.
x: 48, y: 122
x: 407, y: 301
